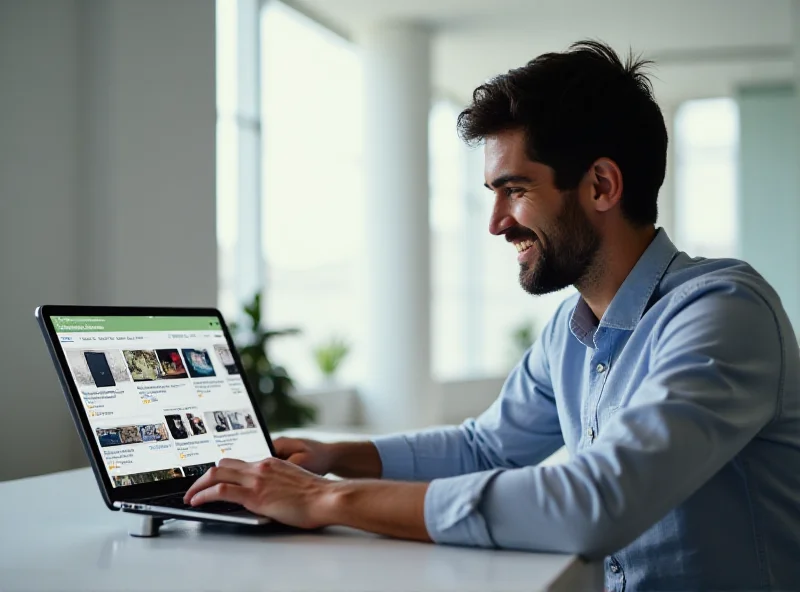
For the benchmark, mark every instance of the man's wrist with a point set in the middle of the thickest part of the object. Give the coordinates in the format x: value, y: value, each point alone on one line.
x: 355, y: 460
x: 384, y: 507
x: 331, y: 504
x: 336, y: 453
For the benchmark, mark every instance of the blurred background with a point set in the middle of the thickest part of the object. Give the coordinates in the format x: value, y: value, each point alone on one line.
x: 192, y: 152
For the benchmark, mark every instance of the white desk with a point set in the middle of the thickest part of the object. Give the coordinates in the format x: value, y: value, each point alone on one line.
x: 57, y: 535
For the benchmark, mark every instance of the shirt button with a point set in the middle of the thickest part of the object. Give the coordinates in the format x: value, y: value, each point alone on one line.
x: 590, y: 433
x: 601, y: 368
x: 614, y: 568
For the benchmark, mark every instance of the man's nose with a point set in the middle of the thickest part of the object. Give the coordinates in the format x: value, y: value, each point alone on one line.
x: 501, y: 219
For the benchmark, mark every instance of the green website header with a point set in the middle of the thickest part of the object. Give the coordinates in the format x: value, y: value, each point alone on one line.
x: 133, y: 324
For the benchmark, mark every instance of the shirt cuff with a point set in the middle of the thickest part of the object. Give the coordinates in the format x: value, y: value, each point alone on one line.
x: 397, y: 457
x: 451, y: 510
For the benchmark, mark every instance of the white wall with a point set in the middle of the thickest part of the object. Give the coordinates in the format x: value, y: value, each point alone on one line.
x: 107, y: 164
x: 38, y: 253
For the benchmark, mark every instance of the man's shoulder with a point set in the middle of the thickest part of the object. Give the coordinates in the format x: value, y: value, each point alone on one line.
x: 727, y: 296
x: 688, y: 280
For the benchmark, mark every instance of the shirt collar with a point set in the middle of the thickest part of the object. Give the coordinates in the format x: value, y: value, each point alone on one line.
x: 630, y: 302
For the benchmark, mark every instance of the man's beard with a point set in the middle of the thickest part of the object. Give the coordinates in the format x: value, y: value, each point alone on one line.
x: 566, y: 256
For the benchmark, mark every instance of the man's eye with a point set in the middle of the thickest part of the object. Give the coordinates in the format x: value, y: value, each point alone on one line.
x: 514, y: 191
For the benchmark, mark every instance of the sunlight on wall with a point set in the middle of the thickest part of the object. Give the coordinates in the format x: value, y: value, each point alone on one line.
x: 706, y: 145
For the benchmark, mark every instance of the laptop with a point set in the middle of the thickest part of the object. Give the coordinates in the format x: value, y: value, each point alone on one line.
x: 158, y: 397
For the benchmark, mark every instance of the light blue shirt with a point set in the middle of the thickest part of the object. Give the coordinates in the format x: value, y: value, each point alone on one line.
x: 681, y: 413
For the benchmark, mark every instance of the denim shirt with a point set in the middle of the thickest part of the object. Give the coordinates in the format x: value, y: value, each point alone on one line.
x: 680, y: 410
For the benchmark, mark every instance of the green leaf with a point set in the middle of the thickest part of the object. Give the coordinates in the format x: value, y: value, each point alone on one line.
x: 271, y: 384
x: 330, y: 355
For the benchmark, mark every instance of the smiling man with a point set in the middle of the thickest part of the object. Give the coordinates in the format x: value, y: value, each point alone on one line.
x: 674, y: 382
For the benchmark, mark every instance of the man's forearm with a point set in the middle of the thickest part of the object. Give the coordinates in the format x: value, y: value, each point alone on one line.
x: 356, y: 460
x: 388, y: 508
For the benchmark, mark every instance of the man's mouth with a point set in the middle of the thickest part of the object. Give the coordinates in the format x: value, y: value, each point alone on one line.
x: 524, y: 245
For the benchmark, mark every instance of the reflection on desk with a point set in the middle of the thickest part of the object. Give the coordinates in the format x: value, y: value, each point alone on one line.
x: 56, y: 534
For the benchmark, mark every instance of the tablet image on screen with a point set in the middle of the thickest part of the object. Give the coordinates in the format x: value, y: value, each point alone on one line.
x: 99, y: 369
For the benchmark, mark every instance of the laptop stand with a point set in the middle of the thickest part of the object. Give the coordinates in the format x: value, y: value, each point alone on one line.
x: 148, y: 526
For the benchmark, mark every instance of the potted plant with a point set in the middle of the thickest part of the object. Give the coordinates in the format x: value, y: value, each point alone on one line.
x: 271, y: 383
x: 522, y: 337
x: 329, y: 357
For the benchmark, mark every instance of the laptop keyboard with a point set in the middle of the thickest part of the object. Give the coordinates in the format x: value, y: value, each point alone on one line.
x: 176, y: 501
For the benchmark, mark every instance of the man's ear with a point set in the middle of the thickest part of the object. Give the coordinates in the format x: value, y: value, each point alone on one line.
x: 606, y: 184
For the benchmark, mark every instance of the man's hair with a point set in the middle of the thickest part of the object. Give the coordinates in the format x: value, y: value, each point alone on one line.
x: 575, y: 107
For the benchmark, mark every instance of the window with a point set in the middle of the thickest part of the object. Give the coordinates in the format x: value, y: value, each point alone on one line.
x: 313, y: 204
x: 706, y: 146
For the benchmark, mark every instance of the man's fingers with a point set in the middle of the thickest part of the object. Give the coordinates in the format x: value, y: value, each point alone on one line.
x: 216, y: 475
x: 221, y: 492
x: 286, y: 447
x: 233, y: 463
x: 301, y: 459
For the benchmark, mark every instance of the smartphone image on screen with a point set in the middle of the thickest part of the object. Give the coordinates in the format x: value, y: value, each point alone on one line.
x: 99, y: 369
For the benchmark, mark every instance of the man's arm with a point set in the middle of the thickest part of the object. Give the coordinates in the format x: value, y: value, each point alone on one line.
x: 389, y: 508
x: 714, y: 384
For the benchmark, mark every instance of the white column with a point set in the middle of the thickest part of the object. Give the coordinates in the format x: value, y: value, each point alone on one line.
x: 147, y: 210
x: 397, y: 393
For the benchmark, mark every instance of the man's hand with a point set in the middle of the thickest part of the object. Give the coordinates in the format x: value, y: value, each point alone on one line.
x: 352, y: 460
x: 311, y: 455
x: 272, y: 488
x: 284, y: 492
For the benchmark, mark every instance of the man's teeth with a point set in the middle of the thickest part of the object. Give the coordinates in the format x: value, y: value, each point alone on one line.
x: 524, y: 245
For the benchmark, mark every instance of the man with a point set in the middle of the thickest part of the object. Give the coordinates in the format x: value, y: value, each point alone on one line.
x: 673, y: 382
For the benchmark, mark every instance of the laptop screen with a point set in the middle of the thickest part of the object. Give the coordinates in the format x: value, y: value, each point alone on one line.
x: 163, y: 395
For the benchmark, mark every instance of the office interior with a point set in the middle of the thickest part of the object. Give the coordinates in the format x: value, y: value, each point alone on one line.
x: 193, y: 153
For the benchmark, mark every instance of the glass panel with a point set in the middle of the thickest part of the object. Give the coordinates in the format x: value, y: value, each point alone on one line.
x: 313, y: 218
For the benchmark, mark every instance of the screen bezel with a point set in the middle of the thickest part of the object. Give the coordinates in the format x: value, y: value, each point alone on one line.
x: 112, y: 494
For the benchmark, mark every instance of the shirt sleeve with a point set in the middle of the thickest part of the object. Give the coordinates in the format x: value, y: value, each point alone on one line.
x: 714, y: 383
x: 520, y: 428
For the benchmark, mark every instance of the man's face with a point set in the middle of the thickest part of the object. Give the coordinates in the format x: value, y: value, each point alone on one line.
x: 555, y: 239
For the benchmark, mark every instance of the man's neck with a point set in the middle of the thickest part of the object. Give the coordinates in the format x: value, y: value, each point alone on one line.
x: 615, y: 260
